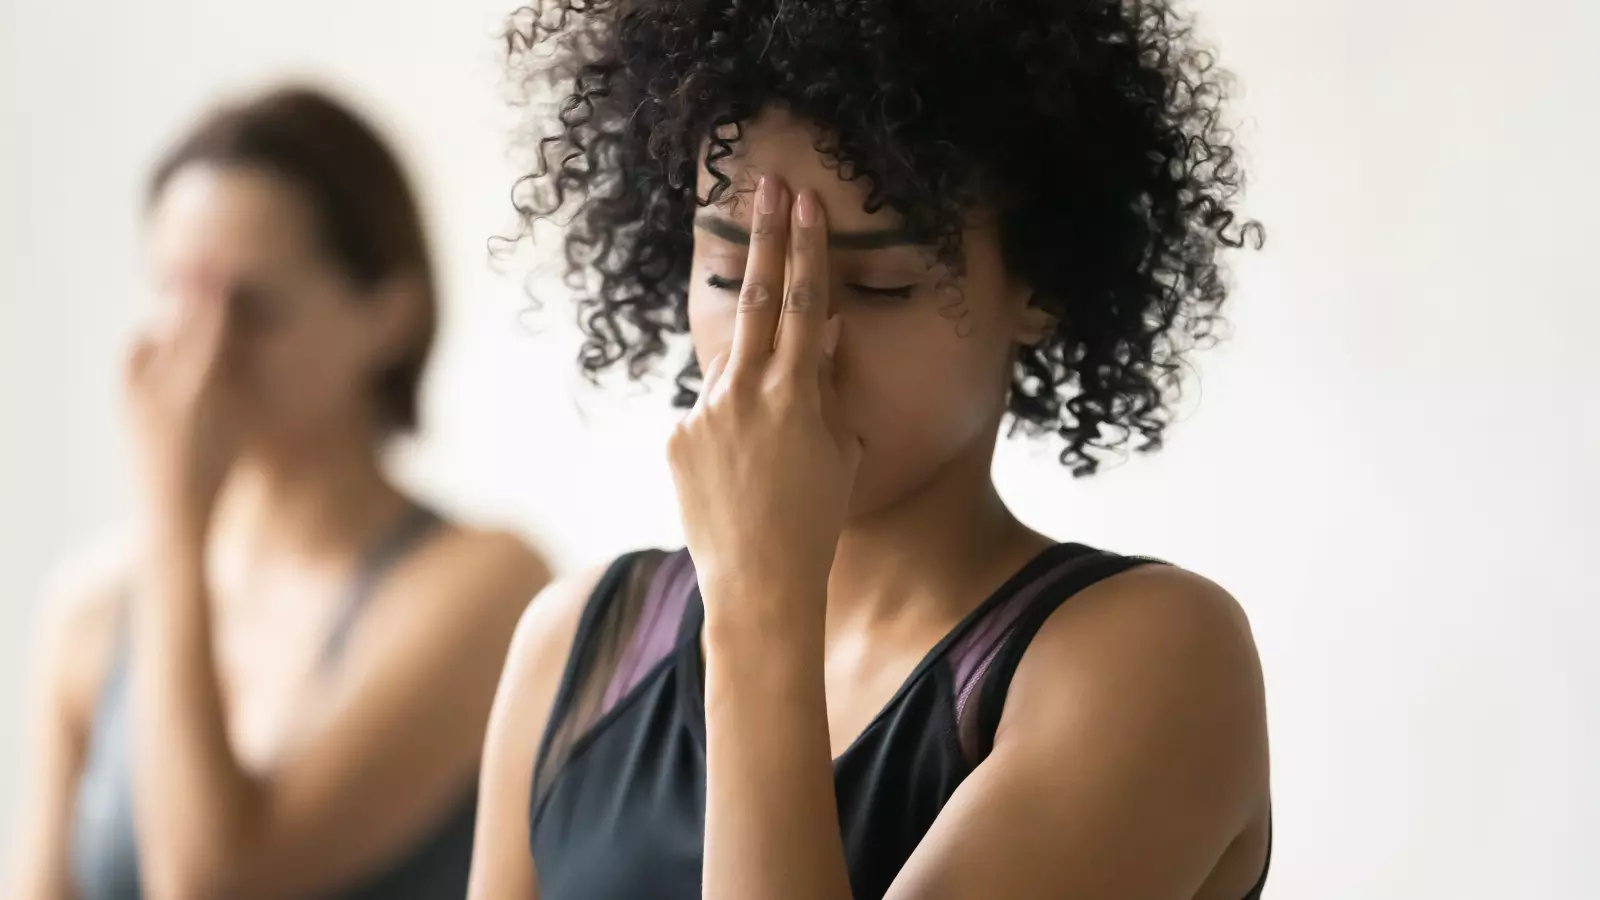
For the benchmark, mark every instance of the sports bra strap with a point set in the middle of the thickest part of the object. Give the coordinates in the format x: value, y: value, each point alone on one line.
x: 985, y: 660
x: 412, y: 528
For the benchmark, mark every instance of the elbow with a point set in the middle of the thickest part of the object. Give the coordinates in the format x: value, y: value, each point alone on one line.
x: 181, y: 882
x: 213, y: 871
x: 213, y: 853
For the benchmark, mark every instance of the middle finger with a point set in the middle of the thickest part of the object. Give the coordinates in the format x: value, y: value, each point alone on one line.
x: 755, y: 325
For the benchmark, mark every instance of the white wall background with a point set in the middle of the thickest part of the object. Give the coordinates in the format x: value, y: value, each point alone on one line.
x: 1393, y: 464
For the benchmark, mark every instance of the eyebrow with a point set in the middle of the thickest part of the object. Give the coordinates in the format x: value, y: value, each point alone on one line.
x: 878, y: 239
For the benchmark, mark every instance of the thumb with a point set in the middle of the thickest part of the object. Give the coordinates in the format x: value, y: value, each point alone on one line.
x: 831, y: 332
x: 827, y: 371
x: 710, y: 377
x: 140, y: 357
x: 832, y: 409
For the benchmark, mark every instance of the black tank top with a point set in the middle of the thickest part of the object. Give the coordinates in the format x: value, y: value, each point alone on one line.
x: 105, y: 851
x: 618, y: 805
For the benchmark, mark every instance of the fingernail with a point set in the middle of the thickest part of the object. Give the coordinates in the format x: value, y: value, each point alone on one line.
x: 767, y: 195
x: 806, y: 209
x: 830, y: 334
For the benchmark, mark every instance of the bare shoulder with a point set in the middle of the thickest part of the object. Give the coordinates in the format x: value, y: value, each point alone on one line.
x: 1155, y: 654
x: 544, y: 638
x: 522, y: 704
x: 484, y: 565
x: 1155, y: 618
x: 86, y: 587
x: 532, y: 675
x: 459, y: 595
x: 1131, y: 757
x: 78, y: 618
x: 1151, y: 639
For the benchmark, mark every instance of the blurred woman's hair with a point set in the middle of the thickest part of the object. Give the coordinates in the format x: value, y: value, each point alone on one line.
x: 367, y: 216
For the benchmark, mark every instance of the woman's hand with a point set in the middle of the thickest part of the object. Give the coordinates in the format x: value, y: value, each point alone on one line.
x: 175, y: 397
x: 764, y: 464
x: 765, y: 467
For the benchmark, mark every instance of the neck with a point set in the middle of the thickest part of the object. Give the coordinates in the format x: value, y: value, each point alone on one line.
x: 314, y: 501
x: 936, y: 552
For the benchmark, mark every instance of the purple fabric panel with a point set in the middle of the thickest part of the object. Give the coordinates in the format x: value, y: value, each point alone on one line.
x: 971, y: 655
x: 657, y: 629
x: 967, y: 687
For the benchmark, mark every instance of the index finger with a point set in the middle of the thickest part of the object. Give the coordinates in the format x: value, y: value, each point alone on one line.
x: 805, y: 306
x: 206, y: 319
x: 756, y: 322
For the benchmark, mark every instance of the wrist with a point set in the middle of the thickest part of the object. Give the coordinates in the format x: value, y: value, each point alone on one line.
x: 761, y: 659
x: 171, y: 599
x: 742, y: 614
x: 177, y: 518
x: 173, y: 553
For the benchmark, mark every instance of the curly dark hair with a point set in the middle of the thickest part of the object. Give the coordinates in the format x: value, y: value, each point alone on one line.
x: 1091, y: 129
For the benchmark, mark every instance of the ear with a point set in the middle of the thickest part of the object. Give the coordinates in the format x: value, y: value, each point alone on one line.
x: 1033, y: 322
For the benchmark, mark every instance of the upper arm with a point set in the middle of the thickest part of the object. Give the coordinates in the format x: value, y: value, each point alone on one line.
x: 396, y: 746
x: 1131, y: 754
x: 502, y: 864
x: 71, y: 651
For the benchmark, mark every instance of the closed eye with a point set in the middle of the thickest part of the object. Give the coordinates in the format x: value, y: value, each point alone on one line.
x: 901, y: 292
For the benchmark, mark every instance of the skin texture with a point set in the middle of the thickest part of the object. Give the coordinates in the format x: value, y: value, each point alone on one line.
x: 257, y: 456
x: 842, y: 520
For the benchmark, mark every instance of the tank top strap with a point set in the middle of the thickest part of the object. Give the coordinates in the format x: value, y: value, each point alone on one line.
x: 393, y: 545
x: 984, y: 657
x: 630, y: 625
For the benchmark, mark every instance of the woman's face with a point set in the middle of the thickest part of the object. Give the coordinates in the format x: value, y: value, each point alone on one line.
x: 305, y: 342
x: 924, y: 359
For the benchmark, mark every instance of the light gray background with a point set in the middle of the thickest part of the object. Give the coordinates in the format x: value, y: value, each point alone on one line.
x: 1392, y: 464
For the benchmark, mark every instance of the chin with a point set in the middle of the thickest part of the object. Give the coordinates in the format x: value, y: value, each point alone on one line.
x: 283, y: 438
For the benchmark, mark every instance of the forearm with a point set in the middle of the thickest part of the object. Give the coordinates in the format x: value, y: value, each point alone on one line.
x: 195, y: 805
x: 36, y: 865
x: 772, y: 822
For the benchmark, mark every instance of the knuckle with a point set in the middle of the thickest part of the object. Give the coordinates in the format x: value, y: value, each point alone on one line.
x: 766, y: 226
x: 736, y: 402
x: 755, y: 295
x: 779, y: 393
x: 802, y: 297
x: 678, y: 440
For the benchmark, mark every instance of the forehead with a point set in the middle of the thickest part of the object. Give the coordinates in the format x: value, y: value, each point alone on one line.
x: 776, y: 143
x: 228, y: 215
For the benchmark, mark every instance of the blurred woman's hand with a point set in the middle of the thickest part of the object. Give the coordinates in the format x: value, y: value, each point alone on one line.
x: 175, y: 389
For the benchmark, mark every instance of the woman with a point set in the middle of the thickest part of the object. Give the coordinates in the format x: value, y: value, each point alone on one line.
x: 865, y: 677
x: 283, y: 692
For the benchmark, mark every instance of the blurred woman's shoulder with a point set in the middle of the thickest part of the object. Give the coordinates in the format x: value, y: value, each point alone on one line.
x: 79, y: 617
x: 463, y: 549
x: 462, y: 571
x: 493, y: 564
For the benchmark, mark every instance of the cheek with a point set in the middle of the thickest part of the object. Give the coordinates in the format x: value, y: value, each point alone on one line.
x: 920, y: 393
x: 298, y: 367
x: 928, y: 371
x: 711, y: 314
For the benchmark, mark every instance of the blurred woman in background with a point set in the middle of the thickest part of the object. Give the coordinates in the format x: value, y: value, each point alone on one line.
x: 283, y: 692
